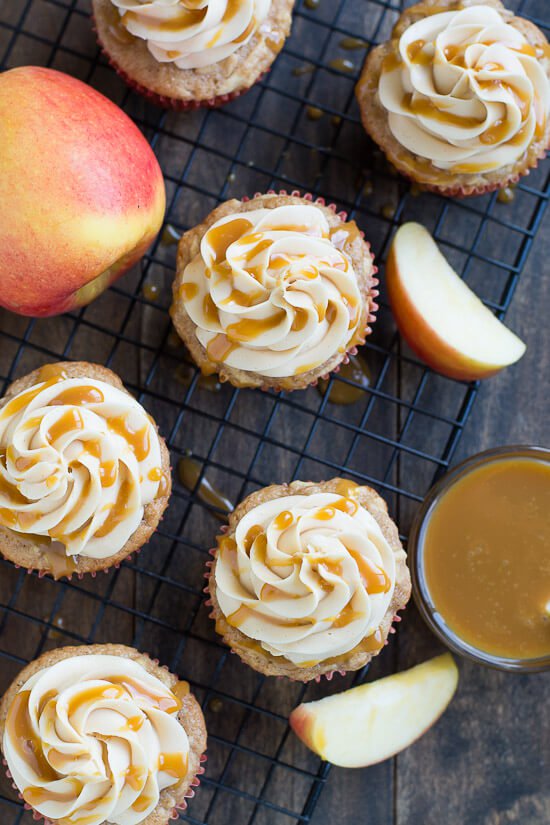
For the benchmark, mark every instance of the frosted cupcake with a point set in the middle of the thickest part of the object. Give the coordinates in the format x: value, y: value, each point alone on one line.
x: 102, y: 734
x: 84, y: 474
x: 189, y: 53
x: 459, y: 99
x: 308, y: 579
x: 273, y: 292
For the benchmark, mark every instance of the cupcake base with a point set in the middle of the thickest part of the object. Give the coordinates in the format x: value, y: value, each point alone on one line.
x: 173, y: 799
x: 183, y: 89
x: 357, y: 249
x: 30, y: 554
x: 420, y: 170
x: 251, y: 652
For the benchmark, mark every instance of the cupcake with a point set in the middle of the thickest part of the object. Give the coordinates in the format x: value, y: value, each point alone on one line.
x: 84, y: 474
x: 459, y: 99
x: 188, y: 53
x: 308, y: 579
x: 102, y: 734
x: 273, y: 291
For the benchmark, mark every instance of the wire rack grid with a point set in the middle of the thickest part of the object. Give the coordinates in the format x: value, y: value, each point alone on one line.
x: 298, y: 129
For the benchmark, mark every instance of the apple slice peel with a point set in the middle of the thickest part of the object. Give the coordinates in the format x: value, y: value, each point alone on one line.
x: 439, y: 316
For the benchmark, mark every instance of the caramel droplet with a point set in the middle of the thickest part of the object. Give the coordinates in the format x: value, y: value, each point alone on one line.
x: 189, y: 472
x: 170, y: 235
x: 342, y: 65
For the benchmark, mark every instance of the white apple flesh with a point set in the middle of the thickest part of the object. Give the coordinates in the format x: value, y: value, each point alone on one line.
x: 439, y: 316
x: 372, y: 722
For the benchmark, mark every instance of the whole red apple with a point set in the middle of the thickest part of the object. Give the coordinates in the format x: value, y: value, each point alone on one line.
x: 81, y: 192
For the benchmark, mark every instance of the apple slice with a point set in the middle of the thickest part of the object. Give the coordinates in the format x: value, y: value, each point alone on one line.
x: 441, y: 319
x: 372, y: 722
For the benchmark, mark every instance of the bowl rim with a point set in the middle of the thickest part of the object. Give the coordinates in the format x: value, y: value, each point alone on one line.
x: 414, y: 551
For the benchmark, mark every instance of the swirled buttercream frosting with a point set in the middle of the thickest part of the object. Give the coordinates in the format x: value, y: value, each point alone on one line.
x: 192, y: 34
x: 308, y: 577
x: 466, y: 91
x: 95, y: 739
x: 79, y: 460
x: 272, y: 291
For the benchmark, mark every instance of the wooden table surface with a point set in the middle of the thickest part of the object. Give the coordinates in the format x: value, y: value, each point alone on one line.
x: 487, y: 761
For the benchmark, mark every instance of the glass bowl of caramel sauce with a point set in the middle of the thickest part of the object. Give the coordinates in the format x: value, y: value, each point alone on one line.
x: 479, y: 552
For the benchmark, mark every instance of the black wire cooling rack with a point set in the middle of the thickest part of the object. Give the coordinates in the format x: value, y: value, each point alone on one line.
x: 298, y: 129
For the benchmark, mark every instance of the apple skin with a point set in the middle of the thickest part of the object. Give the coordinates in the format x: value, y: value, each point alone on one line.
x: 372, y: 722
x: 81, y: 193
x: 422, y: 337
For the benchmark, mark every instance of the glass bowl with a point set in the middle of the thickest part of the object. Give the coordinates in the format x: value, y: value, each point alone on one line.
x: 421, y: 592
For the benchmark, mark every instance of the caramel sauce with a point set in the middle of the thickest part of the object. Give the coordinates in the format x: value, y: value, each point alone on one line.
x: 7, y: 518
x: 221, y: 237
x: 137, y: 440
x: 300, y: 320
x: 10, y: 492
x: 305, y: 368
x: 142, y: 803
x: 220, y: 348
x: 227, y: 544
x: 344, y: 233
x: 167, y: 703
x: 59, y: 564
x: 24, y: 399
x: 39, y: 796
x: 135, y: 777
x: 174, y: 764
x: 170, y: 235
x: 155, y: 474
x: 346, y: 505
x: 346, y: 488
x: 249, y: 329
x: 334, y: 567
x: 298, y: 71
x: 314, y: 113
x: 352, y: 43
x: 108, y: 473
x: 135, y: 723
x: 425, y: 108
x: 210, y: 310
x: 188, y: 291
x: 346, y: 616
x: 374, y: 578
x: 51, y: 373
x: 485, y: 557
x: 243, y: 299
x: 251, y: 536
x: 247, y: 32
x: 97, y: 693
x: 78, y: 397
x: 66, y: 423
x: 506, y: 195
x: 283, y: 520
x: 391, y: 62
x: 325, y: 514
x: 22, y: 464
x: 340, y: 393
x: 151, y: 292
x: 189, y: 471
x: 19, y: 730
x: 59, y: 532
x: 186, y: 17
x: 417, y: 55
x: 181, y: 690
x: 341, y: 65
x: 118, y: 512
